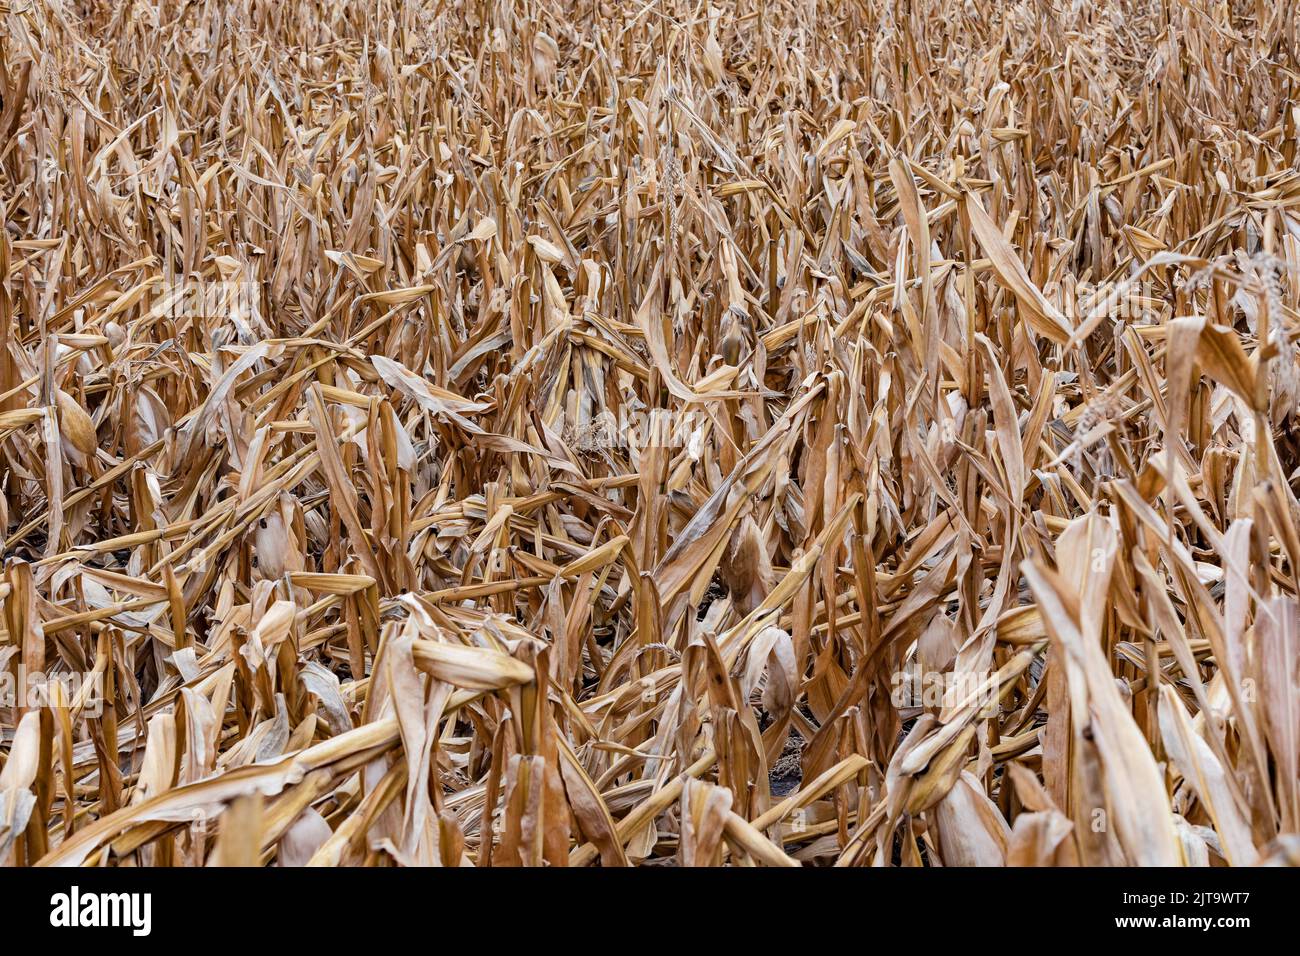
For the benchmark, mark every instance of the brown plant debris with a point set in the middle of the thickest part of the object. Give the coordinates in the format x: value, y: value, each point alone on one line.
x: 591, y: 433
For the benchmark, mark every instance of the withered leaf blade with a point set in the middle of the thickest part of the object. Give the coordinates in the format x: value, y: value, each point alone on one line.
x: 649, y: 434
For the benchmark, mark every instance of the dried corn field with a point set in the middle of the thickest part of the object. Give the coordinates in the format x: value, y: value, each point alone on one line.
x: 571, y: 432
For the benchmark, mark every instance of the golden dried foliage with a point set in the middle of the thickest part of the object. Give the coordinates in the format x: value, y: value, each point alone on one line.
x: 575, y: 432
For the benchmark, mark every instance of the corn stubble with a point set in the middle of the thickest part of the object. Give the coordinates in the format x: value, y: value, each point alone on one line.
x: 757, y: 433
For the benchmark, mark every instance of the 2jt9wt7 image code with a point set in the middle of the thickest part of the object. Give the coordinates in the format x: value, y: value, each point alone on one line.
x: 1189, y: 898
